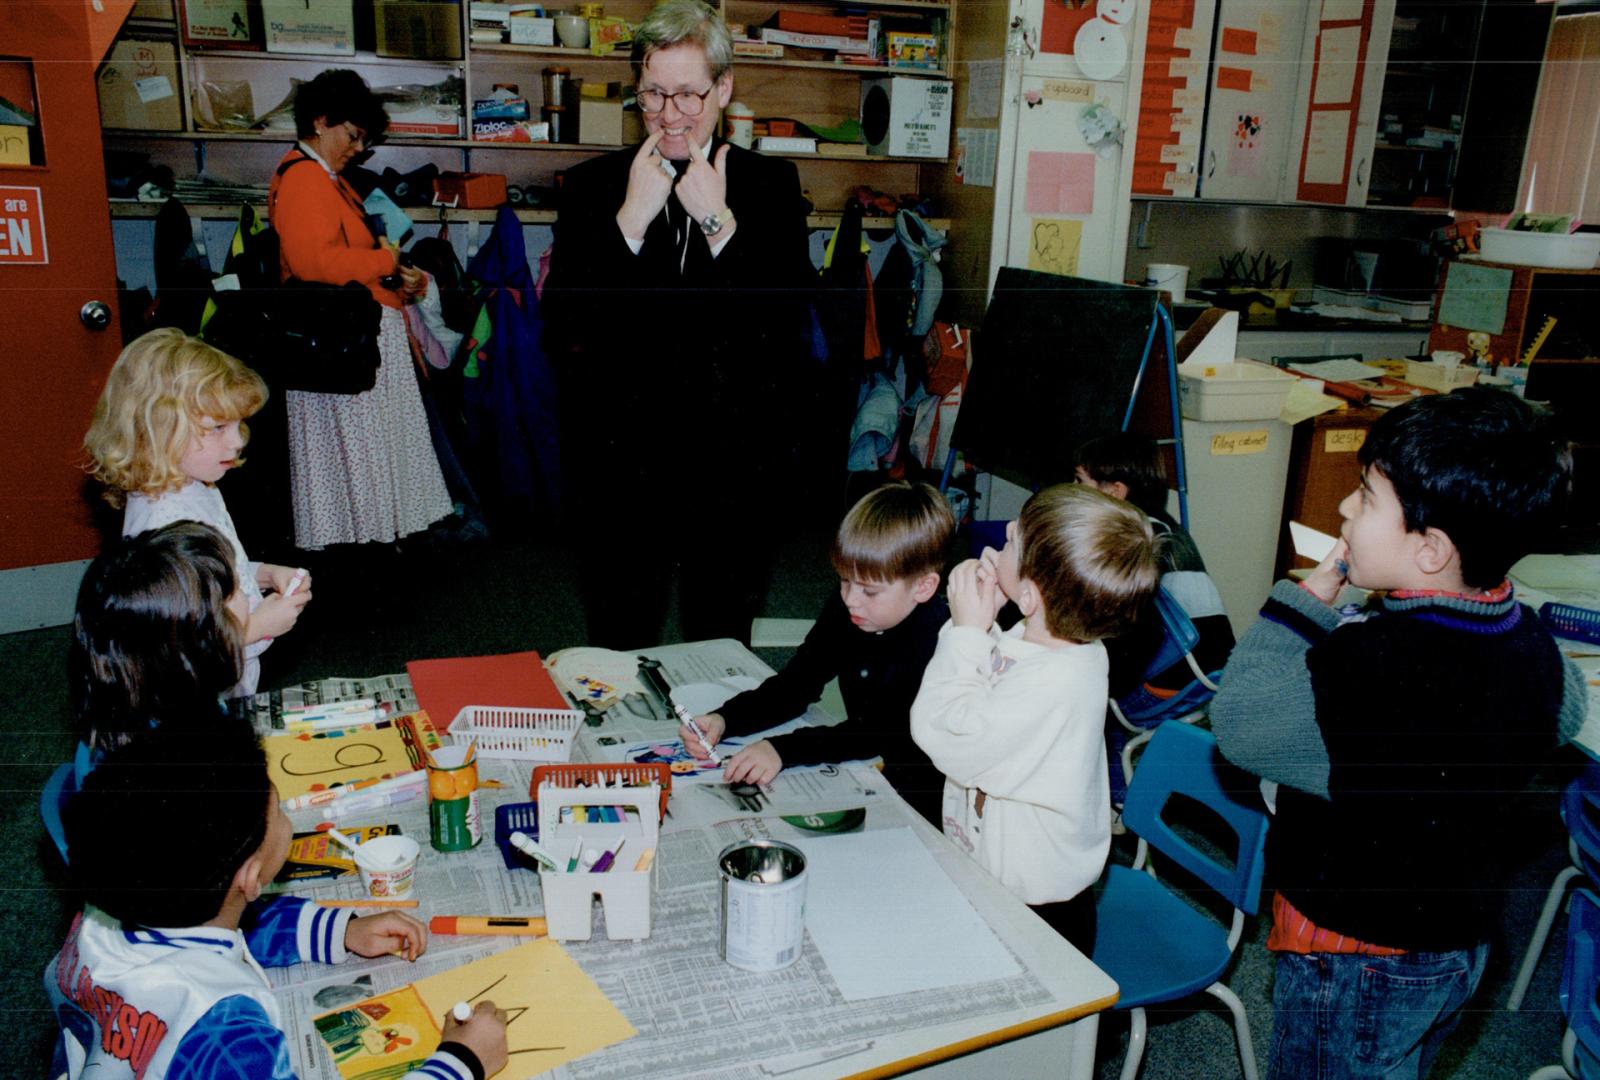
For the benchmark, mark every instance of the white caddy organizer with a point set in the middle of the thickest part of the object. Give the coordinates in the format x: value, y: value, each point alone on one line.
x: 624, y: 892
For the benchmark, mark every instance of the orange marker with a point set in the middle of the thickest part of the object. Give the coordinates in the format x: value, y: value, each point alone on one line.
x: 488, y: 924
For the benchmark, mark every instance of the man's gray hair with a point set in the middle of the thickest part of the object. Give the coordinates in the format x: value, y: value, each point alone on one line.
x: 674, y: 22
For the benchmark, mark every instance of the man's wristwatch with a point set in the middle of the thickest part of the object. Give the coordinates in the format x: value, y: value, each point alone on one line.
x: 712, y: 224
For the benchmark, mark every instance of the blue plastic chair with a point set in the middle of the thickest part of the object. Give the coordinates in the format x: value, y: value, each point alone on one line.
x: 1580, y: 979
x: 1580, y: 808
x: 1155, y: 945
x: 64, y: 783
x: 1141, y: 711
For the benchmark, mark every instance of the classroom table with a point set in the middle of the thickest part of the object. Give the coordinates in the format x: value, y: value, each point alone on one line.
x: 695, y: 1014
x: 1569, y: 579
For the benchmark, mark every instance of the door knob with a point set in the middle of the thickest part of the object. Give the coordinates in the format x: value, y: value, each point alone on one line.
x: 95, y: 315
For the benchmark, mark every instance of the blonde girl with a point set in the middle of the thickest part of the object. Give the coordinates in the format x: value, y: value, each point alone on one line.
x: 169, y: 424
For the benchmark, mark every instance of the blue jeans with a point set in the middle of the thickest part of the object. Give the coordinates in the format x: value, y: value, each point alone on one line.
x: 1364, y: 1017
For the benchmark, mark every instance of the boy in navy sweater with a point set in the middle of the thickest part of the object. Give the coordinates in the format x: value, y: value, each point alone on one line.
x: 876, y: 637
x: 1397, y: 735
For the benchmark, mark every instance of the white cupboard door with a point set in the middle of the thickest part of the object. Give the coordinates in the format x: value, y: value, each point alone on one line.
x: 1336, y: 107
x: 1250, y: 101
x: 1064, y: 195
x: 1172, y: 98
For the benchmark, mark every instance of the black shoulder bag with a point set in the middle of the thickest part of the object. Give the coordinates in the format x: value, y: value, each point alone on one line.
x: 300, y: 335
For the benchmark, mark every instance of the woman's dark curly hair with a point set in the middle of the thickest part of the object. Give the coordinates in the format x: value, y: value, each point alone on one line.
x: 339, y: 95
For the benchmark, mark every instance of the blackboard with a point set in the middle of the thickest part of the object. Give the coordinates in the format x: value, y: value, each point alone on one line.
x: 1056, y: 364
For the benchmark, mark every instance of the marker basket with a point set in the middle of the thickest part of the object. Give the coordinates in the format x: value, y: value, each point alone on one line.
x: 522, y: 734
x: 1571, y: 621
x: 629, y: 800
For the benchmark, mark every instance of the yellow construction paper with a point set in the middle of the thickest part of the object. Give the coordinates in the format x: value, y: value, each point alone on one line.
x: 312, y: 761
x: 556, y: 1013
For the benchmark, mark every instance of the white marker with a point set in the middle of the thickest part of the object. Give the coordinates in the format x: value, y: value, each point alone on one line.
x: 688, y: 718
x: 295, y: 583
x: 461, y: 1011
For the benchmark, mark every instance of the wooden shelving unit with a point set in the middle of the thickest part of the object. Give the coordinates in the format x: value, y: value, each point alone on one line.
x: 808, y: 90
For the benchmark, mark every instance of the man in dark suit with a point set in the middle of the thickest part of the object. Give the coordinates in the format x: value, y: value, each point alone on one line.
x: 677, y: 301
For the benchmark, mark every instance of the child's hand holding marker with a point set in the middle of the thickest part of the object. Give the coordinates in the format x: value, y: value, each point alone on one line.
x: 700, y: 734
x: 483, y: 1032
x: 385, y: 934
x: 1331, y: 573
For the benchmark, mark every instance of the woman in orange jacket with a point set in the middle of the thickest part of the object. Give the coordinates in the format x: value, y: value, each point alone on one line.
x: 361, y: 466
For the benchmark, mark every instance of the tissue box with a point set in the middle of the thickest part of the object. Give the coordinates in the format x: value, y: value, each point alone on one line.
x: 906, y: 117
x: 531, y: 28
x: 1438, y: 376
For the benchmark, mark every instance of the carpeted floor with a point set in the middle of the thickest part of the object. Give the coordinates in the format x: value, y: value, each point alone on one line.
x: 376, y: 609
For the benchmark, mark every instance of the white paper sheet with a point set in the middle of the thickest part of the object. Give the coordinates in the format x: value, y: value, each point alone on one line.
x: 1338, y: 370
x: 983, y: 89
x: 1336, y: 66
x: 1327, y: 147
x: 887, y: 920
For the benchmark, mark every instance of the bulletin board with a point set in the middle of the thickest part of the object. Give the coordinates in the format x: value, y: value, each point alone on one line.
x: 1056, y: 363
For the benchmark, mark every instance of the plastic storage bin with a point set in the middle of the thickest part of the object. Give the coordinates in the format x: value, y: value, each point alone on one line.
x: 1559, y: 251
x: 1438, y: 376
x: 522, y: 734
x: 1242, y: 390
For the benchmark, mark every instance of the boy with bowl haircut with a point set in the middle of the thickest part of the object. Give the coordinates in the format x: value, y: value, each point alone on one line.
x: 1397, y: 735
x: 173, y: 838
x: 1014, y: 718
x: 875, y: 637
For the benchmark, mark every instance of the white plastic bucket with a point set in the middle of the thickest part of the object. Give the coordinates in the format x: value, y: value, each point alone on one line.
x: 763, y: 904
x: 1169, y: 277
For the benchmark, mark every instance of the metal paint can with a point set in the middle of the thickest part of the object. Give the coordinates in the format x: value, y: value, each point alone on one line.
x: 763, y: 904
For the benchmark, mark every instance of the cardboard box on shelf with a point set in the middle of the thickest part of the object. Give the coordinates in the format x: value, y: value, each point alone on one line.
x: 906, y: 117
x: 422, y: 29
x: 217, y: 24
x: 600, y: 120
x: 165, y: 10
x: 138, y: 85
x: 320, y: 27
x: 471, y: 191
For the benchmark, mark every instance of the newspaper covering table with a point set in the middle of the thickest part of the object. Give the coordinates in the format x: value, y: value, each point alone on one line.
x: 696, y: 1015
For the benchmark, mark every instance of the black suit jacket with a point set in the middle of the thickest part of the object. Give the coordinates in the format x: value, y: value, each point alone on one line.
x: 666, y: 365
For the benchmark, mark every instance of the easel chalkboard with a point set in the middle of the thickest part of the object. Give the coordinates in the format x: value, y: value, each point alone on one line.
x: 1061, y: 361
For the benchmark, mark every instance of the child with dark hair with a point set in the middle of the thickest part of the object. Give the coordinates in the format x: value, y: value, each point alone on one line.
x: 158, y: 631
x: 173, y: 839
x: 1396, y: 735
x: 875, y: 637
x: 1014, y: 718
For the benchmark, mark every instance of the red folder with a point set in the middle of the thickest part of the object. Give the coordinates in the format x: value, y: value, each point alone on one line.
x: 512, y: 680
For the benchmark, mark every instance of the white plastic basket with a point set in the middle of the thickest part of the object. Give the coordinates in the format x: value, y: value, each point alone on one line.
x: 524, y: 734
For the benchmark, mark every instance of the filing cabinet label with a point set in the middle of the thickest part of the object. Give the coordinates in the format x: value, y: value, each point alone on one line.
x: 1232, y: 443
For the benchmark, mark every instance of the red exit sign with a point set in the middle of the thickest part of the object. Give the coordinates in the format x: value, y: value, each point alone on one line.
x: 21, y: 226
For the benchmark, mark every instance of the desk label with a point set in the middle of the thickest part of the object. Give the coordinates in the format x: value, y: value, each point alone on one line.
x: 1232, y: 443
x: 1343, y: 440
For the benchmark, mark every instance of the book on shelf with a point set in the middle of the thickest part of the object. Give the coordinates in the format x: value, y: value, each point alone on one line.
x: 835, y: 42
x: 786, y: 144
x: 841, y: 150
x: 762, y: 50
x: 815, y: 22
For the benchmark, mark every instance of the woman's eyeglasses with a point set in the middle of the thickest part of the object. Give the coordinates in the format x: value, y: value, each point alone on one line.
x: 688, y: 102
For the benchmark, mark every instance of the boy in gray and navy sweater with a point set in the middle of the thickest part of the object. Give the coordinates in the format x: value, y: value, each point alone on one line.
x: 1396, y: 735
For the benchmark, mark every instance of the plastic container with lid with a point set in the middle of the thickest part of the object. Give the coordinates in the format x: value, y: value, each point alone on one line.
x: 1557, y: 251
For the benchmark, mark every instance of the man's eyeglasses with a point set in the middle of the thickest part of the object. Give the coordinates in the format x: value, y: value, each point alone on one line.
x: 688, y: 102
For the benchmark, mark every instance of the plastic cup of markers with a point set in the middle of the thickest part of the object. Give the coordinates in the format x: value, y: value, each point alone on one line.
x: 388, y: 865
